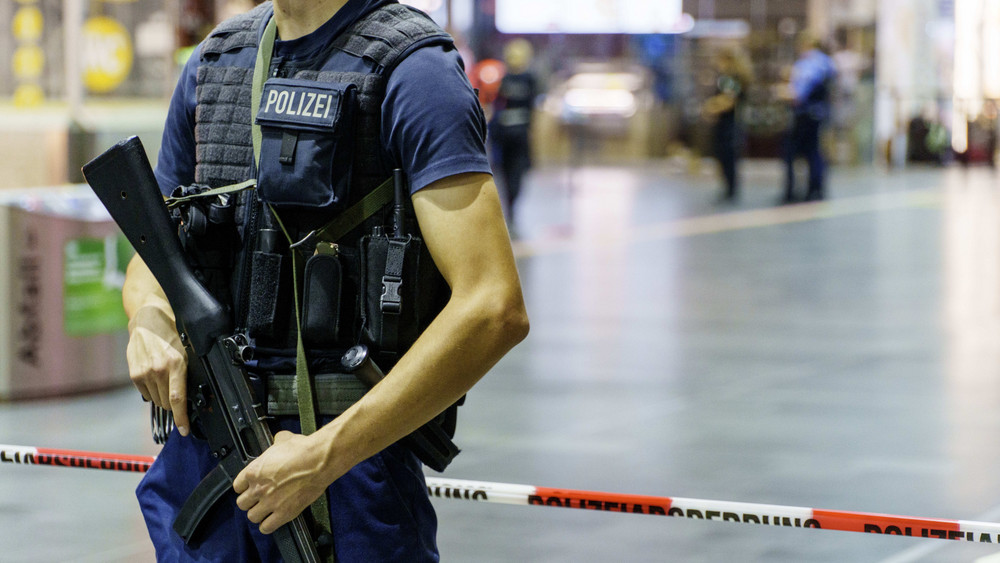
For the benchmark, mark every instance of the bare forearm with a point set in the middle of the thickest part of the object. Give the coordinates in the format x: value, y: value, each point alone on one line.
x: 466, y: 339
x: 156, y: 358
x: 463, y: 228
x: 142, y: 290
x: 484, y: 318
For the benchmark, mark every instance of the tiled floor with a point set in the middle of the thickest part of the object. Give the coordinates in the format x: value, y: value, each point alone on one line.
x: 841, y: 355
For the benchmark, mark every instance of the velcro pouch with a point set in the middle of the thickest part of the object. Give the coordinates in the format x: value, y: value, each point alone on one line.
x: 268, y: 296
x: 321, y: 301
x: 306, y: 146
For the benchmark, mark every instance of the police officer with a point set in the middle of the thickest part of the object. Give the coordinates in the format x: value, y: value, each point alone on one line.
x: 402, y: 80
x: 512, y: 120
x: 734, y: 77
x: 808, y: 92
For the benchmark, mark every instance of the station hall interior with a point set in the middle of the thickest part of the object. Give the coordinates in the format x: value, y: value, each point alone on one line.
x: 836, y: 352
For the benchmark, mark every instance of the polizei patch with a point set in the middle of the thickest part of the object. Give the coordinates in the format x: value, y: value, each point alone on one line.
x: 301, y: 102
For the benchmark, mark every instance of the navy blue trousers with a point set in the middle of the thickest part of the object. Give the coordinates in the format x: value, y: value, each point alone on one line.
x: 726, y: 145
x: 380, y: 510
x: 803, y: 140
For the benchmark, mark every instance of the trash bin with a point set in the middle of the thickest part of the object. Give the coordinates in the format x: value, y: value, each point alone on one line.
x: 62, y: 326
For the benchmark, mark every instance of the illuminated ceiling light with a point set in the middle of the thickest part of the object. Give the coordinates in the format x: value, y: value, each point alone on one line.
x: 593, y: 101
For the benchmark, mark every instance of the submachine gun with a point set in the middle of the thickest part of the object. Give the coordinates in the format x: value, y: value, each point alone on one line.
x: 221, y: 403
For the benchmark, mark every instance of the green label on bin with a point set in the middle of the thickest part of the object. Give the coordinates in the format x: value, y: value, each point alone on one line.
x: 93, y: 272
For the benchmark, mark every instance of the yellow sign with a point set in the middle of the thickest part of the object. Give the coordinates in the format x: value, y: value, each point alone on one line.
x: 27, y: 95
x: 107, y: 54
x: 29, y: 60
x: 27, y: 24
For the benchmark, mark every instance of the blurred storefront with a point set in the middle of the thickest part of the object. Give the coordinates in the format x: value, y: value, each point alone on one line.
x: 78, y: 75
x: 674, y: 67
x: 621, y: 81
x: 915, y: 53
x: 914, y: 83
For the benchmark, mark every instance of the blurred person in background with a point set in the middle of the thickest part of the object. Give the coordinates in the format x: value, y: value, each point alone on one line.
x: 734, y: 75
x: 511, y: 125
x: 850, y: 64
x: 809, y: 93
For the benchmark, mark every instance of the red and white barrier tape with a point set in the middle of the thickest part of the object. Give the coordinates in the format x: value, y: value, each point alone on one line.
x: 721, y: 511
x: 29, y: 455
x: 507, y: 493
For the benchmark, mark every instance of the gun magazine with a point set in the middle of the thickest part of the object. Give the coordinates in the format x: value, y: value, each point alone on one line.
x: 161, y: 423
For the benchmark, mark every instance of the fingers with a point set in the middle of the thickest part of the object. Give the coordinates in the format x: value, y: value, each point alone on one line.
x: 240, y: 485
x: 268, y: 519
x: 272, y: 523
x: 178, y: 399
x: 158, y: 370
x: 278, y: 485
x: 245, y: 500
x: 163, y: 396
x: 257, y: 513
x: 141, y: 370
x: 141, y: 387
x: 249, y: 500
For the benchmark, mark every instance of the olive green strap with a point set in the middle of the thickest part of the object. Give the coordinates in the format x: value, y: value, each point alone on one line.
x: 231, y: 188
x: 351, y: 217
x: 320, y: 508
x: 304, y: 387
x: 260, y: 69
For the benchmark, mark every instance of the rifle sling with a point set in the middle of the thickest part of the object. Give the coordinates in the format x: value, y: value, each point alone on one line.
x: 320, y: 508
x: 333, y: 231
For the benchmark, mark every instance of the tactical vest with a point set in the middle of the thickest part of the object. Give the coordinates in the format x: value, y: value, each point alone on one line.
x: 223, y: 118
x: 373, y: 45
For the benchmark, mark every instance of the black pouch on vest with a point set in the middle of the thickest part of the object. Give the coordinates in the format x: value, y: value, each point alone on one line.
x: 321, y: 293
x: 206, y: 227
x: 270, y: 295
x: 306, y: 145
x: 403, y: 292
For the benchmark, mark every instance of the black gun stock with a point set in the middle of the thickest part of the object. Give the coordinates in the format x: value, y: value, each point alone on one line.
x: 123, y: 180
x: 220, y: 402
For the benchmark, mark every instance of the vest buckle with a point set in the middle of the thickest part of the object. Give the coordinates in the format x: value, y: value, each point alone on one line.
x: 390, y: 302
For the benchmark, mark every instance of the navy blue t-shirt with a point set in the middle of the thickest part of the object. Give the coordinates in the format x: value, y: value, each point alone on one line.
x: 432, y: 125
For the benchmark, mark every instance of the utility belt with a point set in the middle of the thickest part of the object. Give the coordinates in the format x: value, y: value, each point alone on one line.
x: 334, y: 393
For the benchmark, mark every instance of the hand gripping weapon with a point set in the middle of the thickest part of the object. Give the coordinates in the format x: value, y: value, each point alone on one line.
x: 221, y: 404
